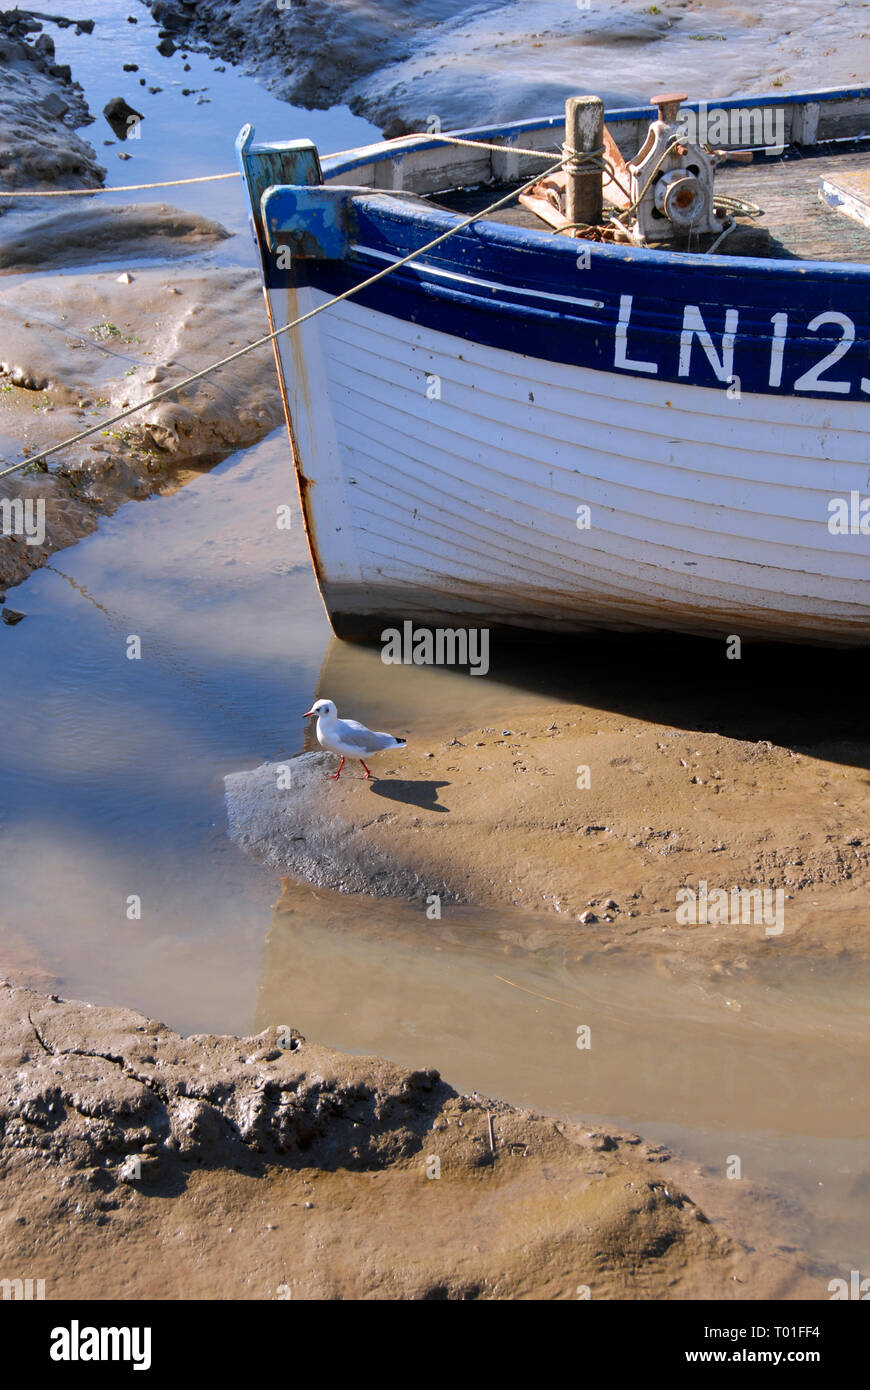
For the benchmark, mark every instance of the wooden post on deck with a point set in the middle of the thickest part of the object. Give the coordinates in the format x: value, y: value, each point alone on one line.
x: 584, y: 131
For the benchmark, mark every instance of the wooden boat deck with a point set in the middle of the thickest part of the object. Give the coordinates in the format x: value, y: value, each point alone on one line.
x: 796, y: 224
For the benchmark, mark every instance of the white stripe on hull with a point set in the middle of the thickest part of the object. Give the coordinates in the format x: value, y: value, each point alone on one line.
x: 708, y: 514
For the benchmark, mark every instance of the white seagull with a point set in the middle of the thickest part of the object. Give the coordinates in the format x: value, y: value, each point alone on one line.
x: 347, y: 736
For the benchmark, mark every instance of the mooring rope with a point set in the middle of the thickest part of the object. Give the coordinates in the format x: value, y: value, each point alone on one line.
x: 211, y: 178
x: 43, y: 454
x: 122, y: 188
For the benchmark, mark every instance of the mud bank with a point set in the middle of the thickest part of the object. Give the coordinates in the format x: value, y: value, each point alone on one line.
x: 498, y: 817
x: 41, y: 108
x: 269, y: 1167
x: 78, y: 347
x: 469, y: 63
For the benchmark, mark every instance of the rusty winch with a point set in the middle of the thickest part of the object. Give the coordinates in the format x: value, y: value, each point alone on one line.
x: 664, y: 192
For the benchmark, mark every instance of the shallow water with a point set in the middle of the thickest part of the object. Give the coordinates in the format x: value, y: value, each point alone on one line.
x: 111, y: 788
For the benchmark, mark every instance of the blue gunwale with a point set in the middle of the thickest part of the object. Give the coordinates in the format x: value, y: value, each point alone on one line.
x: 347, y: 160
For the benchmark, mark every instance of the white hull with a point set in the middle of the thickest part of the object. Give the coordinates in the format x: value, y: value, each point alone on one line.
x: 708, y: 514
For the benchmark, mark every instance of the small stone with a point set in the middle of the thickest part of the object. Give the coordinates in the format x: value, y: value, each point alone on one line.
x: 131, y: 67
x: 166, y: 47
x: 505, y: 733
x: 309, y: 1206
x: 587, y: 918
x: 10, y: 617
x: 122, y: 154
x: 125, y: 279
x: 611, y: 905
x: 122, y: 117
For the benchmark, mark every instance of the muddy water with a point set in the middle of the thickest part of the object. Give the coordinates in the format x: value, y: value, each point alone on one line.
x: 112, y: 768
x: 769, y: 1069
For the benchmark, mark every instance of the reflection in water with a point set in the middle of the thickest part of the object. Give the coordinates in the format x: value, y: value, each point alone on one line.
x: 111, y: 770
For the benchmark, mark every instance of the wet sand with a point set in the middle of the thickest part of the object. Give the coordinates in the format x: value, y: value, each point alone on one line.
x: 79, y: 346
x: 464, y: 63
x: 583, y: 802
x: 269, y: 1167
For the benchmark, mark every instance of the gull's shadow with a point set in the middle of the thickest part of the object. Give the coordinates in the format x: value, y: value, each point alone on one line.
x: 423, y: 794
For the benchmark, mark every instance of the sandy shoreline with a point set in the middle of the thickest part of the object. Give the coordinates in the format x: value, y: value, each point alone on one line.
x: 495, y: 816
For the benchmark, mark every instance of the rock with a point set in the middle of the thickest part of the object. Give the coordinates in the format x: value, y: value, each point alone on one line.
x: 45, y: 45
x: 131, y: 67
x: 122, y: 154
x: 11, y: 617
x: 587, y: 918
x: 121, y: 116
x: 166, y: 47
x: 125, y: 279
x: 168, y: 16
x: 54, y: 106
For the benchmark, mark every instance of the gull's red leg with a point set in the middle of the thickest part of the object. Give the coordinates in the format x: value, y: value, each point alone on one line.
x: 334, y: 776
x: 368, y: 774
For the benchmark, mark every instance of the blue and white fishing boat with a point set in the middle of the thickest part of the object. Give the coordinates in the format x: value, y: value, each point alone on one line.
x: 627, y: 401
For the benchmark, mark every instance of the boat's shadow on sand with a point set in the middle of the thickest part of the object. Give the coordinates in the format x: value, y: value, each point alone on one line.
x: 811, y: 699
